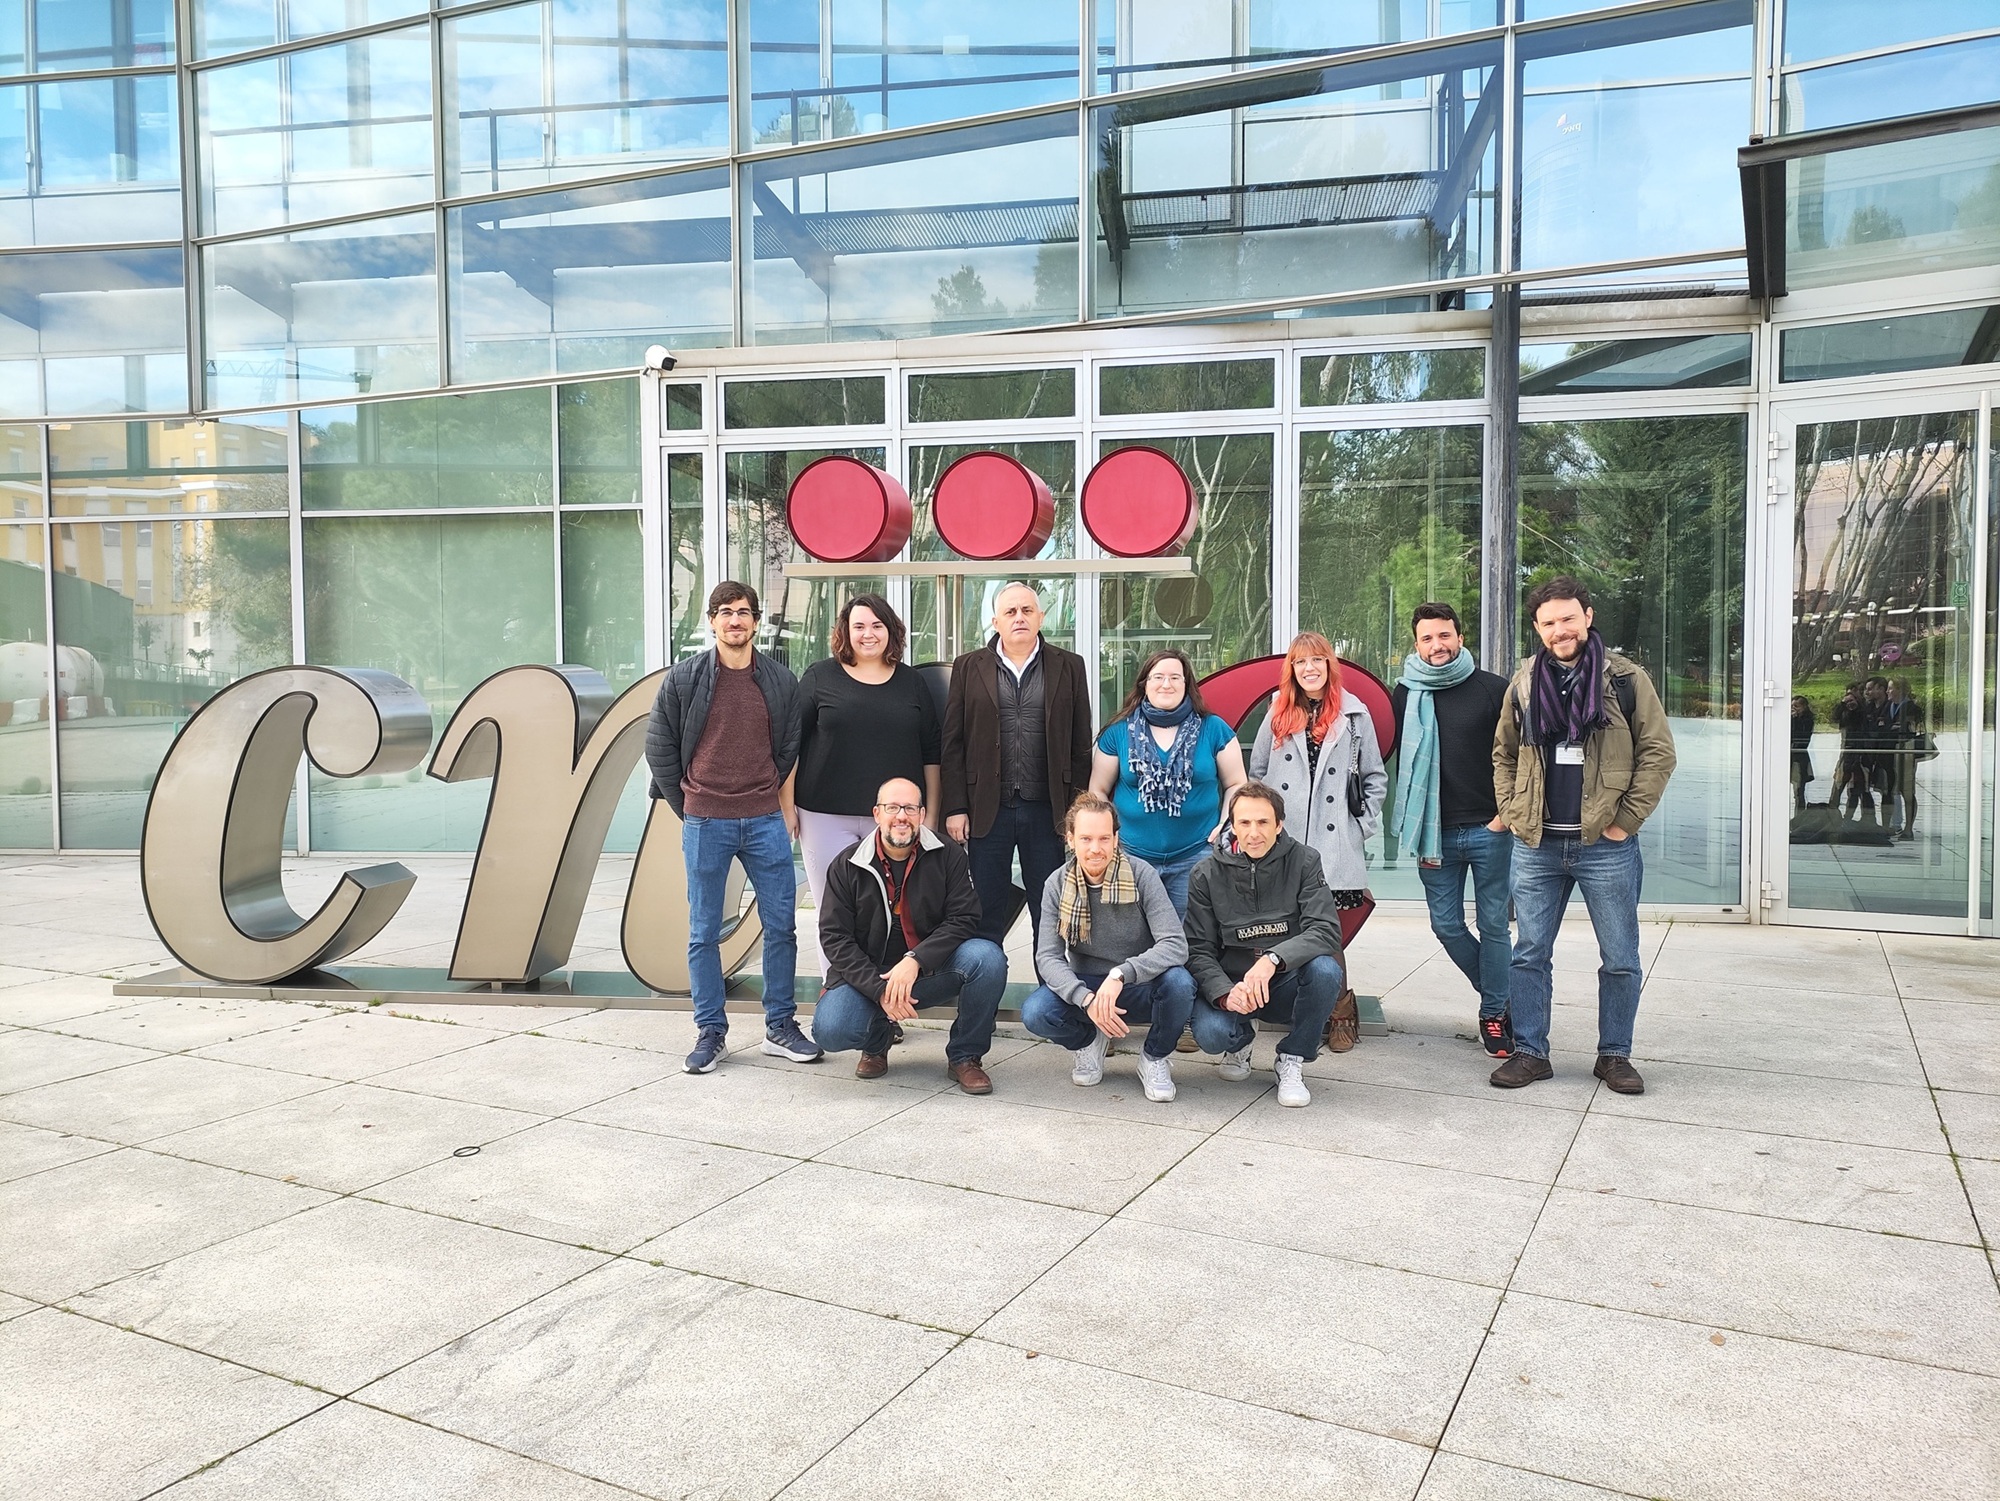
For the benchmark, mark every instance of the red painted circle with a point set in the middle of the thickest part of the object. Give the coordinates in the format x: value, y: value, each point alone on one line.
x: 1138, y: 504
x: 988, y: 505
x: 841, y: 510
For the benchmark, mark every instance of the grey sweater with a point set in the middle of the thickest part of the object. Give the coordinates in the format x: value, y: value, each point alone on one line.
x: 1142, y: 938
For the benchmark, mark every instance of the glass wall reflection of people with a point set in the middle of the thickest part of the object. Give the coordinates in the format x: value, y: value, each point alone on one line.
x: 1883, y: 738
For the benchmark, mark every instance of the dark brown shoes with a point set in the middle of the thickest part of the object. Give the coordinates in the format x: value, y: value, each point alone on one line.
x: 1618, y: 1074
x: 970, y: 1077
x: 1520, y: 1069
x: 872, y: 1066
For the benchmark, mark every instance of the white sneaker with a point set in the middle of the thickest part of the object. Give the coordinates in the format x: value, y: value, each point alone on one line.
x: 1157, y: 1074
x: 1235, y: 1066
x: 1291, y: 1086
x: 1089, y: 1066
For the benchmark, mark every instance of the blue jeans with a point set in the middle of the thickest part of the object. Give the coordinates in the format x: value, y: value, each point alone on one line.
x: 1304, y: 997
x: 1166, y: 1003
x: 1607, y: 873
x: 975, y: 978
x: 1486, y: 855
x: 765, y: 849
x: 1030, y: 828
x: 1174, y: 875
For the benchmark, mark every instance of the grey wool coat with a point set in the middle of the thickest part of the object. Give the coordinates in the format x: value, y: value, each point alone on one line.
x: 1316, y: 803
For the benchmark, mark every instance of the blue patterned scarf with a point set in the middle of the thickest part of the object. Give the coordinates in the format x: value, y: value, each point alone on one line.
x: 1419, y: 825
x: 1165, y: 778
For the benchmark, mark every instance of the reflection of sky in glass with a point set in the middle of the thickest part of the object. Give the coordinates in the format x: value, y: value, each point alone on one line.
x: 226, y: 26
x: 1902, y: 83
x: 1834, y: 28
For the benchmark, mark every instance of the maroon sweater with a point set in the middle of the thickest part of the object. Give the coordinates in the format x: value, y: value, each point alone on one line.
x: 733, y: 774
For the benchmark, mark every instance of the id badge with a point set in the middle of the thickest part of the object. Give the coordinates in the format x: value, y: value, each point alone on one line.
x: 1569, y: 755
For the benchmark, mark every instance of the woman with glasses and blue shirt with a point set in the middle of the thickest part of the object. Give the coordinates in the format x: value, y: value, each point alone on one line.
x: 1170, y: 768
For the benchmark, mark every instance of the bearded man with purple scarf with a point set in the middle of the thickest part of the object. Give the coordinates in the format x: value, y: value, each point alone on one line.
x: 1580, y: 759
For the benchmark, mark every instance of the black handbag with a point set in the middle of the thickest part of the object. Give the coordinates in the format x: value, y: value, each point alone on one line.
x: 1357, y: 794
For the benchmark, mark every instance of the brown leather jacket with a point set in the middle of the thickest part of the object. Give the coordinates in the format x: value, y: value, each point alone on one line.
x: 970, y: 781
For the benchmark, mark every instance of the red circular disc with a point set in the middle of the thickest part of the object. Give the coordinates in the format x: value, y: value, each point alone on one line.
x: 1138, y: 504
x: 987, y: 505
x: 841, y: 510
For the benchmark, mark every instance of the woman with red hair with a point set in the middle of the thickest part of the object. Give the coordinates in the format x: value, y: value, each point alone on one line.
x: 1317, y: 747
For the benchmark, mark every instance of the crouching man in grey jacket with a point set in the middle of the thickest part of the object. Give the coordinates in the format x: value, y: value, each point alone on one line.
x: 1108, y: 948
x: 1263, y: 936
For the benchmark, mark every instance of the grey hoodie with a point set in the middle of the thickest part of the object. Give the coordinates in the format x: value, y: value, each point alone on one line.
x: 1239, y: 909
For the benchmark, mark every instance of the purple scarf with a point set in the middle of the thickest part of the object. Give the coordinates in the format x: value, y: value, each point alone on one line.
x: 1560, y: 720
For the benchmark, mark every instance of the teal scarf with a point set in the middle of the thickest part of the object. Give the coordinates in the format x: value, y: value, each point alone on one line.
x: 1418, y: 825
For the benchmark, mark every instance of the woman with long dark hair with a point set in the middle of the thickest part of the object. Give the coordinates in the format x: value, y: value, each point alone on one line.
x: 866, y: 716
x: 1170, y: 768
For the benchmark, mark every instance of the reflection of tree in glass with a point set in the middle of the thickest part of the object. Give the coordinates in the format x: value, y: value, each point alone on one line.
x: 798, y: 614
x: 1871, y: 222
x: 488, y: 449
x: 818, y: 119
x: 245, y: 582
x: 597, y: 426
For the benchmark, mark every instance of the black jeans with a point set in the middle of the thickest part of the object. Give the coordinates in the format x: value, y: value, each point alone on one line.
x: 1029, y: 828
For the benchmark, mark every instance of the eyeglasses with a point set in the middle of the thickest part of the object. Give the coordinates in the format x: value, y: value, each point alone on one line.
x: 735, y: 615
x: 1166, y: 679
x: 904, y: 810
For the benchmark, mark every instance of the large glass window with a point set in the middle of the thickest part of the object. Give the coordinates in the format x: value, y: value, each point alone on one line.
x: 587, y: 278
x: 27, y: 767
x: 74, y: 35
x: 1681, y: 363
x: 603, y: 602
x: 955, y: 233
x: 322, y: 313
x: 1629, y: 130
x: 1364, y: 174
x: 1649, y: 513
x: 1898, y: 83
x: 169, y: 468
x: 1333, y: 380
x: 1877, y: 346
x: 487, y: 450
x: 820, y: 69
x: 1816, y: 29
x: 226, y: 26
x: 1900, y: 208
x: 597, y: 430
x: 342, y: 129
x: 100, y: 165
x: 993, y: 395
x: 86, y: 333
x: 1187, y: 386
x: 687, y: 587
x: 554, y: 90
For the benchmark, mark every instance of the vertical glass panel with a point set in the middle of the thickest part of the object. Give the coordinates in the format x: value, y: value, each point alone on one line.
x: 104, y: 164
x: 952, y: 233
x: 1689, y: 362
x: 1649, y: 513
x: 169, y: 468
x: 26, y: 764
x: 443, y: 602
x: 322, y: 313
x: 1388, y: 518
x: 1364, y: 174
x: 850, y: 67
x: 687, y: 589
x: 71, y: 35
x: 1629, y: 132
x: 1877, y: 346
x: 153, y: 616
x: 20, y: 471
x: 490, y: 449
x: 798, y: 613
x: 1168, y: 41
x: 13, y: 36
x: 1219, y: 614
x: 1902, y: 83
x: 560, y: 89
x: 829, y: 401
x: 226, y: 26
x: 1897, y: 209
x: 1834, y: 28
x: 963, y: 604
x: 683, y: 408
x: 1334, y: 380
x: 308, y: 135
x: 1881, y: 654
x: 586, y: 279
x: 604, y: 606
x: 1988, y: 740
x: 1186, y: 386
x: 597, y: 427
x: 993, y: 396
x: 90, y: 332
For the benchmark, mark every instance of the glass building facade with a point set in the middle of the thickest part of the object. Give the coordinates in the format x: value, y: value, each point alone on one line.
x: 321, y: 326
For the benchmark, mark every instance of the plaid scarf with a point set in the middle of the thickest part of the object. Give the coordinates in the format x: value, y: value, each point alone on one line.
x: 1119, y: 887
x: 1559, y: 718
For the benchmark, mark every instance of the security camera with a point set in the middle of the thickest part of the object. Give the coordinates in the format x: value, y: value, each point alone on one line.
x: 658, y: 360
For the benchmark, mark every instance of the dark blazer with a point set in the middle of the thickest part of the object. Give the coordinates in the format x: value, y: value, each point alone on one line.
x: 970, y: 779
x: 854, y: 913
x: 680, y: 714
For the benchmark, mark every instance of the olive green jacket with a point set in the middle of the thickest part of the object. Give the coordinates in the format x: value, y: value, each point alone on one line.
x: 1625, y: 765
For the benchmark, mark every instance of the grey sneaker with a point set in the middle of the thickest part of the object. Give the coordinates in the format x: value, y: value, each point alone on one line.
x: 1235, y: 1066
x: 785, y: 1040
x: 709, y: 1049
x: 1291, y: 1084
x: 1088, y: 1069
x: 1157, y: 1075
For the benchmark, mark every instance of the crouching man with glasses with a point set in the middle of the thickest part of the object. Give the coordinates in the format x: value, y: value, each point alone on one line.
x: 897, y: 931
x: 1109, y: 948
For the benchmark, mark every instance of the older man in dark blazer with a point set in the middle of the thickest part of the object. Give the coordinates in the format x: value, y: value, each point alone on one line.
x: 1017, y: 734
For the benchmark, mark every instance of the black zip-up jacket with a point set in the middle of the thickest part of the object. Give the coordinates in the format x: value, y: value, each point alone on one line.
x: 680, y: 714
x: 854, y: 915
x: 1239, y: 909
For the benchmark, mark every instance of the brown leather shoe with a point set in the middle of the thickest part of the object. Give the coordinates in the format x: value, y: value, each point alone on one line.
x: 970, y: 1077
x: 872, y: 1066
x: 1618, y: 1074
x: 1343, y: 1028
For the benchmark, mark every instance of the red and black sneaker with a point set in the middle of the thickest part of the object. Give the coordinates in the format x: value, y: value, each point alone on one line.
x: 1498, y: 1035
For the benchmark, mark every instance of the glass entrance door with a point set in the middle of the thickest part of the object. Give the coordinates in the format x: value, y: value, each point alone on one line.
x: 1877, y: 811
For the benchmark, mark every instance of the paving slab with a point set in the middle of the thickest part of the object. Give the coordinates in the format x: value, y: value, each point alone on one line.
x: 1945, y: 969
x: 1442, y: 1065
x: 77, y: 1226
x: 1790, y: 1177
x: 69, y: 952
x: 1453, y: 1477
x: 97, y: 1414
x: 540, y: 1074
x: 792, y: 1112
x: 1960, y: 1043
x: 1982, y: 1188
x: 1003, y: 1424
x: 167, y: 1093
x: 598, y: 1186
x: 29, y: 1149
x: 946, y: 1257
x: 1462, y: 1225
x: 36, y: 1003
x: 1823, y: 959
x: 341, y: 1294
x: 349, y: 1045
x: 173, y: 1026
x: 669, y: 1383
x: 32, y: 1058
x: 15, y: 974
x: 1971, y: 1122
x: 511, y: 1017
x: 1879, y: 1115
x: 1703, y: 1415
x: 1773, y: 1031
x: 12, y: 1307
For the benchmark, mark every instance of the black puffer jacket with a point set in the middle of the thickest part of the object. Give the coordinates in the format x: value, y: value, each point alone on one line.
x: 854, y: 913
x: 680, y: 714
x: 1239, y: 908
